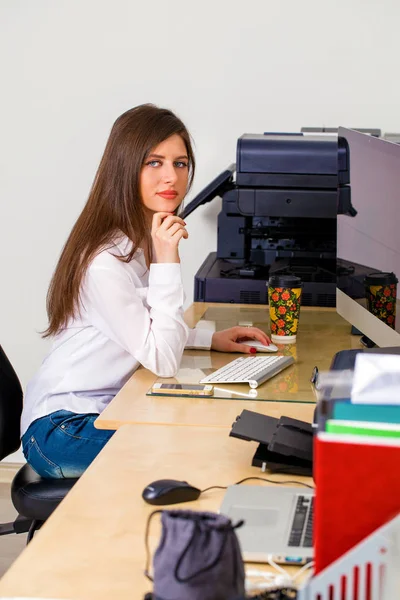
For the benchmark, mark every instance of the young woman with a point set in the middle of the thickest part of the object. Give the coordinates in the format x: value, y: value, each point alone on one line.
x: 116, y: 296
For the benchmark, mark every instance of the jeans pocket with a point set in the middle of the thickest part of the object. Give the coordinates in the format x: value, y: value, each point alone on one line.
x: 79, y: 426
x: 39, y: 462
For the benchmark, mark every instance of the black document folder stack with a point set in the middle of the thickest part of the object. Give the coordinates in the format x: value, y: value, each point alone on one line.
x: 286, y: 445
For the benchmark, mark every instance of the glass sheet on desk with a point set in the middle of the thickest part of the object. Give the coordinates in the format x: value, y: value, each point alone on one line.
x: 224, y: 317
x: 322, y: 333
x: 283, y: 387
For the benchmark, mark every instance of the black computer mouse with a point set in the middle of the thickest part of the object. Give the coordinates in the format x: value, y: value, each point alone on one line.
x: 169, y: 491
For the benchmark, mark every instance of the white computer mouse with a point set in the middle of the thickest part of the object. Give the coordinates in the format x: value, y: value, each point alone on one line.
x: 260, y: 347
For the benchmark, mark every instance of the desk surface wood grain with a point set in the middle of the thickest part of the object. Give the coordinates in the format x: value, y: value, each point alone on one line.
x: 92, y: 547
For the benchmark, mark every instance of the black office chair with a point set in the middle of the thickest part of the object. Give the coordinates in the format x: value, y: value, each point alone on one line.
x: 33, y: 497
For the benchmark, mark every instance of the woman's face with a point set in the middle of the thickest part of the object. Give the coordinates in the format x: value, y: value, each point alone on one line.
x: 164, y: 176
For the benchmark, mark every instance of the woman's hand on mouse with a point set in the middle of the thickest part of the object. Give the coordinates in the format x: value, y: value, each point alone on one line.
x: 167, y: 231
x: 229, y: 340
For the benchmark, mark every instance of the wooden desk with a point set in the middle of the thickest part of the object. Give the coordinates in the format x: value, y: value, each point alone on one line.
x: 92, y: 547
x: 322, y: 332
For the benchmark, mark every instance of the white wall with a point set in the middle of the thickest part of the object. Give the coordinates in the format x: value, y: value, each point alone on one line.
x: 70, y: 67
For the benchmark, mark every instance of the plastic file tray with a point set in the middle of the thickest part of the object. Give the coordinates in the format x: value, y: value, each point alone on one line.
x: 372, y: 566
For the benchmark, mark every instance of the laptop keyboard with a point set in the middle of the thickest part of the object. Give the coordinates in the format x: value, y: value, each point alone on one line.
x: 253, y: 370
x: 302, y: 524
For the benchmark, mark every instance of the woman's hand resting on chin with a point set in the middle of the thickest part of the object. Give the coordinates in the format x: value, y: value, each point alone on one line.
x: 229, y: 340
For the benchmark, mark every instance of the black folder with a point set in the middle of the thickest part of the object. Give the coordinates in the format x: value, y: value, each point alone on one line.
x: 285, y: 444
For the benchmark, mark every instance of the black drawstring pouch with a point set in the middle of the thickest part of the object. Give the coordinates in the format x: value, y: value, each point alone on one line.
x: 198, y: 557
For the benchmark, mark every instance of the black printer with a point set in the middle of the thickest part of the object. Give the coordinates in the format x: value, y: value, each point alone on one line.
x: 278, y: 216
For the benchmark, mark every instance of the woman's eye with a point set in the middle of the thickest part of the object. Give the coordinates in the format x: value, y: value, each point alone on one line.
x: 180, y: 164
x: 153, y: 163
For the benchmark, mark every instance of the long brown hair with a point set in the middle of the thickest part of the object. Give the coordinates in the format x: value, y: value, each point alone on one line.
x: 114, y: 204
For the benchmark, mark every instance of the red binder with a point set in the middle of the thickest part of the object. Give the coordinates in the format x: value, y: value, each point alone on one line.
x: 357, y: 491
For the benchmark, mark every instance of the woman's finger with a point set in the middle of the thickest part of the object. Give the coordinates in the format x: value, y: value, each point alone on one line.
x: 158, y: 218
x: 252, y: 333
x: 181, y: 233
x: 244, y: 348
x: 171, y: 220
x: 168, y: 233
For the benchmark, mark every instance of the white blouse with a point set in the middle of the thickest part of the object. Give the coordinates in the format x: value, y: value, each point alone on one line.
x: 129, y: 316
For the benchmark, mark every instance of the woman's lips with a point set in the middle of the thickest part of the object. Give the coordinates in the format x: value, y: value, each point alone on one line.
x: 168, y: 194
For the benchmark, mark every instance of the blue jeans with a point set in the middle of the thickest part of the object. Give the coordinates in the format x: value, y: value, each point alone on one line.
x: 63, y: 444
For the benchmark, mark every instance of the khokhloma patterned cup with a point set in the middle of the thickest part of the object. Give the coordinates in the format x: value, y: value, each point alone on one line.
x: 284, y: 295
x: 381, y: 292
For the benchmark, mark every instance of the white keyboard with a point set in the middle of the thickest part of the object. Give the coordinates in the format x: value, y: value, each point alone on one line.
x: 253, y: 370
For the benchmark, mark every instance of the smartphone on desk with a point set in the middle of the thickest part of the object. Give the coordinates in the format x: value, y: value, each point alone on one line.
x: 180, y: 389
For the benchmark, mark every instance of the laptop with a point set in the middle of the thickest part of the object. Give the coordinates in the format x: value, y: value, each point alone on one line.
x: 277, y: 521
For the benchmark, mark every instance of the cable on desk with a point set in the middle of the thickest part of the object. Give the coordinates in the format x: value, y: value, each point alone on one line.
x: 303, y: 568
x: 275, y: 594
x: 274, y: 583
x: 224, y: 487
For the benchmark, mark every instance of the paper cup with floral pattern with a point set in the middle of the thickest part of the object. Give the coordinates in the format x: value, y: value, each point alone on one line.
x: 284, y: 295
x: 381, y: 293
